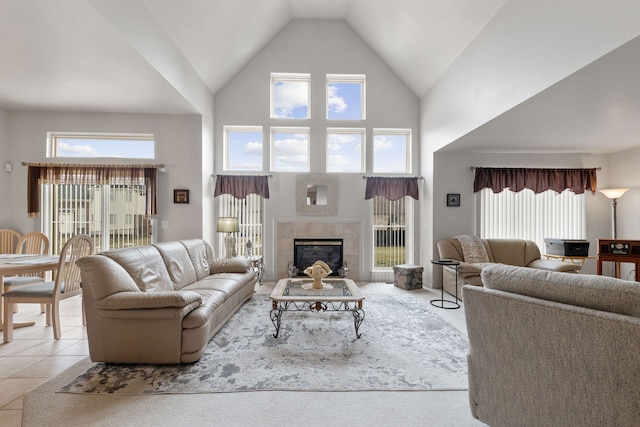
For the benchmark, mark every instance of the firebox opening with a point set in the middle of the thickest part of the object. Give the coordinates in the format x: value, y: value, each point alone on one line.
x: 308, y: 251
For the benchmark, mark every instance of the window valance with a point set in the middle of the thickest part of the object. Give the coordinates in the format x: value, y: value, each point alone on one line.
x: 538, y: 180
x: 239, y: 186
x: 85, y: 174
x: 391, y: 188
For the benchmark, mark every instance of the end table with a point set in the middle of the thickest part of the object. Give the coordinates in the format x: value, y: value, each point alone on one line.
x: 443, y: 303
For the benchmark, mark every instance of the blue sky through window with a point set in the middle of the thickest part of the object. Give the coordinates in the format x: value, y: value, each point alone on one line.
x: 344, y: 101
x: 104, y: 147
x: 291, y: 151
x: 390, y: 153
x: 244, y: 150
x: 290, y: 99
x: 344, y: 151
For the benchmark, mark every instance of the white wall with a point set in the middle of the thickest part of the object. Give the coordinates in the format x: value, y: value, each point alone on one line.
x: 624, y: 172
x: 523, y: 50
x: 316, y: 47
x: 6, y: 180
x: 178, y: 145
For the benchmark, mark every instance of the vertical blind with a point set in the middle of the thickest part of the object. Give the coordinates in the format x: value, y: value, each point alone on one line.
x: 249, y: 214
x: 531, y: 216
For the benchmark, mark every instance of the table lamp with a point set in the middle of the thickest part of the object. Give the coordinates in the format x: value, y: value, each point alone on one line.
x: 228, y: 224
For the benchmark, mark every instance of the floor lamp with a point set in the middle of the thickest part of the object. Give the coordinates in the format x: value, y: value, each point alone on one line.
x: 614, y: 194
x: 228, y: 224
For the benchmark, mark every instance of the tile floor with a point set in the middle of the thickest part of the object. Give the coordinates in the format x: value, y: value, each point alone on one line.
x: 34, y: 357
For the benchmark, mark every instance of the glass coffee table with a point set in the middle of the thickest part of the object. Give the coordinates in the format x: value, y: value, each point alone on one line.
x: 296, y: 295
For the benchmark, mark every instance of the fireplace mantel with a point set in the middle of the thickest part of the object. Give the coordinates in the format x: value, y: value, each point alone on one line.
x: 349, y: 230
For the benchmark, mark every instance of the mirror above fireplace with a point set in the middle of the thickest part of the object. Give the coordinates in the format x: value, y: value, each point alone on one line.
x: 316, y: 194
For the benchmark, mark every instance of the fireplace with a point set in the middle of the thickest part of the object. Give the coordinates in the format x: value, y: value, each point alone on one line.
x: 308, y: 251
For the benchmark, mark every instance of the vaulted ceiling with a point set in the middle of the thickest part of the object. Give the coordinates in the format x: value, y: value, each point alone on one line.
x: 86, y: 55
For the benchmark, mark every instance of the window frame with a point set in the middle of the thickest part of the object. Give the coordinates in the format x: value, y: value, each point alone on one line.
x: 54, y: 137
x: 407, y: 132
x: 225, y: 147
x: 350, y: 79
x: 289, y: 77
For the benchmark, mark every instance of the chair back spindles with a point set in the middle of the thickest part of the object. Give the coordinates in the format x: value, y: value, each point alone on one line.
x: 8, y: 241
x: 68, y: 278
x: 34, y: 242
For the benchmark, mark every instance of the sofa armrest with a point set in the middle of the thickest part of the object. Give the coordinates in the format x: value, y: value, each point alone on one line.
x: 148, y: 300
x: 469, y: 269
x: 551, y: 265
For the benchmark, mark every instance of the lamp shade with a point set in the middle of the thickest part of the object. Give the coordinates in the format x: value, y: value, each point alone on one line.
x: 227, y: 224
x: 613, y: 193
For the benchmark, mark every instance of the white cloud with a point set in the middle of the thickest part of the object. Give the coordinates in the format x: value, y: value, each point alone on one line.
x: 287, y: 96
x: 382, y: 143
x: 291, y: 153
x: 253, y: 148
x: 336, y: 103
x: 68, y: 150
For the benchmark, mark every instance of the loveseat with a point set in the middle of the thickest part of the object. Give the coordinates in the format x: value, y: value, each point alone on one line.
x: 553, y: 349
x: 160, y: 303
x: 517, y: 252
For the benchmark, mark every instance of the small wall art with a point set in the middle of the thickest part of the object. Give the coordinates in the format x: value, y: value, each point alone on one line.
x: 180, y: 196
x: 453, y: 199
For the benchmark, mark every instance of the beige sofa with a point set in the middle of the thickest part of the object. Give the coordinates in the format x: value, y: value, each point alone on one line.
x: 517, y: 252
x: 553, y: 349
x: 160, y: 303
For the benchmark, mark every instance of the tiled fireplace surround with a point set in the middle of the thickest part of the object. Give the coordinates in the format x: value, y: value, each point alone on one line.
x: 348, y: 231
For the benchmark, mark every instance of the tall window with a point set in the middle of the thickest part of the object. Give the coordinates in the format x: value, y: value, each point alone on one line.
x: 392, y: 231
x: 290, y: 149
x: 346, y: 96
x: 392, y: 151
x: 249, y: 214
x: 345, y: 150
x: 530, y: 216
x: 290, y: 96
x: 113, y: 214
x: 243, y: 148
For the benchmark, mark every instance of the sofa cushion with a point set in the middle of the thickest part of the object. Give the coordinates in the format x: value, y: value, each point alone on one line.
x: 211, y: 300
x: 584, y: 290
x: 227, y: 283
x: 145, y: 265
x: 104, y: 277
x: 198, y: 251
x: 230, y: 265
x: 178, y: 263
x: 508, y: 251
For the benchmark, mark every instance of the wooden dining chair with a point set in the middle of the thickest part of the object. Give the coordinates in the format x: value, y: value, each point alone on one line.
x: 33, y: 243
x: 66, y: 285
x: 8, y: 241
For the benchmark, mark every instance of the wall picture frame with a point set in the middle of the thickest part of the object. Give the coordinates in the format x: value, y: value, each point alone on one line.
x: 181, y: 196
x: 453, y: 199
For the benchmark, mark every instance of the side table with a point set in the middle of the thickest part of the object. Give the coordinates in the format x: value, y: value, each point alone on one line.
x: 257, y: 264
x: 577, y: 260
x: 443, y: 303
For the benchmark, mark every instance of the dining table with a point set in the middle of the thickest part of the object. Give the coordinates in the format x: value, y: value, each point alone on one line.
x: 16, y: 264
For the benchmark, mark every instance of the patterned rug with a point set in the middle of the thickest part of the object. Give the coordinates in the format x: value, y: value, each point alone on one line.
x: 404, y: 346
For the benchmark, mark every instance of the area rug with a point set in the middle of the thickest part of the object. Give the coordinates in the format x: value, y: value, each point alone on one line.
x: 404, y: 346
